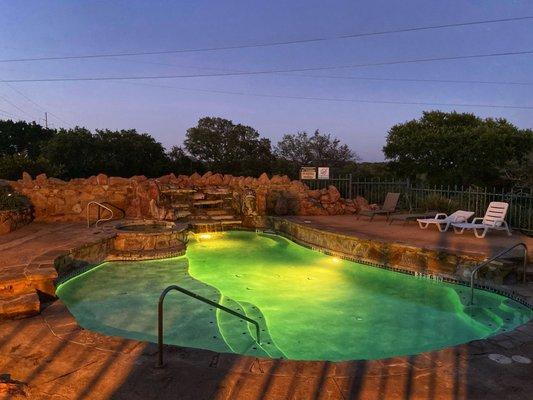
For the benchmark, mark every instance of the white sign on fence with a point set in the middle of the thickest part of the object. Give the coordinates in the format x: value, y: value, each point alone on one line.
x: 323, y: 172
x: 308, y: 173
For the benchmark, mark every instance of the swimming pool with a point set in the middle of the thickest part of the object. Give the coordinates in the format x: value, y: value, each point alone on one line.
x: 310, y: 306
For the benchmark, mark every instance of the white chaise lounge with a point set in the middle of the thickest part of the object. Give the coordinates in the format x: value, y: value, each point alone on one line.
x: 443, y: 221
x: 494, y: 219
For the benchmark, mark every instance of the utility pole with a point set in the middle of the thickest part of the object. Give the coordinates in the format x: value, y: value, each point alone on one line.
x: 46, y: 120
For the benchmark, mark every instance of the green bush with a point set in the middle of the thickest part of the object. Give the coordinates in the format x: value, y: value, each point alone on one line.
x: 435, y: 202
x: 11, y: 201
x: 12, y: 167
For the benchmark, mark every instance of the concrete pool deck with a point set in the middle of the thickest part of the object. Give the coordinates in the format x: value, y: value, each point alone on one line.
x: 49, y: 356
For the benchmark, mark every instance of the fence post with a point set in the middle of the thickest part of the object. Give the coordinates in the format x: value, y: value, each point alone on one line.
x: 350, y: 186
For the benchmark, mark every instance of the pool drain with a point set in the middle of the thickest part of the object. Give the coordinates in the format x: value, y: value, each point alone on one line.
x: 500, y: 358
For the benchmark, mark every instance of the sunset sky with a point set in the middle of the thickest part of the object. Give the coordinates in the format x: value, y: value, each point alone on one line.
x: 273, y: 103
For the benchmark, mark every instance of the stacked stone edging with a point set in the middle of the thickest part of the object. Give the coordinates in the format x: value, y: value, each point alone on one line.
x: 14, y: 219
x: 372, y: 251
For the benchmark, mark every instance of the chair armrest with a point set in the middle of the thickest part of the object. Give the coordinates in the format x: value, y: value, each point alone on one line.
x: 475, y: 220
x: 439, y: 215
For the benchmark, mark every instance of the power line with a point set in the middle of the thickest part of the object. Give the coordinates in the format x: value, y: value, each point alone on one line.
x: 15, y: 106
x: 275, y: 71
x: 362, y: 78
x: 271, y: 44
x: 328, y: 99
x: 35, y: 103
x: 10, y: 115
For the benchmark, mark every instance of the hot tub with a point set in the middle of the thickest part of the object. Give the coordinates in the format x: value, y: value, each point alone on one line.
x: 148, y: 239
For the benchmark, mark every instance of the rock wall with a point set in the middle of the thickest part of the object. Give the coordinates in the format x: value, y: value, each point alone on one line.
x: 139, y: 197
x: 14, y: 219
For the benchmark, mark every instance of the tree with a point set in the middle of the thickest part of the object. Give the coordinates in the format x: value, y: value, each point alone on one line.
x: 453, y: 148
x: 12, y: 166
x: 229, y: 148
x: 23, y: 138
x: 319, y: 149
x: 125, y: 153
x: 182, y: 163
x: 75, y: 151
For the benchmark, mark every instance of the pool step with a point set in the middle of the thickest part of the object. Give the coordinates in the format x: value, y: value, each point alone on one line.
x: 236, y: 331
x: 267, y: 343
x: 494, y: 314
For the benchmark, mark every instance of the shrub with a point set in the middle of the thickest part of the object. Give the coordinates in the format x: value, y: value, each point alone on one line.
x: 12, y: 167
x: 435, y: 202
x: 11, y: 201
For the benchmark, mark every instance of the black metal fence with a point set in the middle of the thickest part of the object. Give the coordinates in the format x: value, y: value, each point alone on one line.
x: 421, y: 198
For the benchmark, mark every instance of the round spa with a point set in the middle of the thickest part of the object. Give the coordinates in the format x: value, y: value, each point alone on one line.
x: 148, y: 239
x: 309, y: 306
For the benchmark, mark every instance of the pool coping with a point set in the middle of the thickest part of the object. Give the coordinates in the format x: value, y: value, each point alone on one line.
x: 491, y: 288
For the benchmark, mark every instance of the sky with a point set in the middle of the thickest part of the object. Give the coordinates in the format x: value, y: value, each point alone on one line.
x: 165, y: 108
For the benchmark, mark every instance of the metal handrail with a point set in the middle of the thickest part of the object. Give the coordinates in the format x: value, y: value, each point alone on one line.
x: 197, y: 297
x: 100, y: 205
x: 486, y: 262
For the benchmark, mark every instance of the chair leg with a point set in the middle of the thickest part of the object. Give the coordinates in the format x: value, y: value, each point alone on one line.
x: 482, y: 235
x: 506, y: 226
x: 458, y: 231
x: 445, y: 228
x: 423, y: 225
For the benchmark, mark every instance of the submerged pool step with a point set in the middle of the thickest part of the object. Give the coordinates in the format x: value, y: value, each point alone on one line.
x: 236, y: 331
x: 495, y: 315
x: 267, y: 343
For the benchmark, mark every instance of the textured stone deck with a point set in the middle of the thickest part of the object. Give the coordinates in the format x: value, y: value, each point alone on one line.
x: 49, y: 356
x: 27, y: 271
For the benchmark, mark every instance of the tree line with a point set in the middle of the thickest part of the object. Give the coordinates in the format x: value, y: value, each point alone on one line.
x: 441, y: 148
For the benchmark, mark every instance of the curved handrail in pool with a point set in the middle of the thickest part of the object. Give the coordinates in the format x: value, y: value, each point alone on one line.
x: 197, y: 297
x: 493, y: 258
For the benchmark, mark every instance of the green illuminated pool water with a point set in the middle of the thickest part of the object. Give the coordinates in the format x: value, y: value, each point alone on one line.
x: 310, y: 306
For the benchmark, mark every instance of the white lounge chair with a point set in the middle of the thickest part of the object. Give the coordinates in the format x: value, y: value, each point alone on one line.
x: 494, y: 219
x: 443, y: 221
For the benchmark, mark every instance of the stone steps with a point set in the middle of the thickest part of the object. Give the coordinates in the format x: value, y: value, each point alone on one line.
x: 220, y: 217
x: 219, y: 212
x: 207, y: 202
x: 232, y: 222
x: 181, y: 205
x: 182, y: 214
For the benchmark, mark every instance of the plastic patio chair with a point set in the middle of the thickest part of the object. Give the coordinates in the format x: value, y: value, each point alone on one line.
x: 494, y: 219
x: 443, y: 221
x: 388, y: 207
